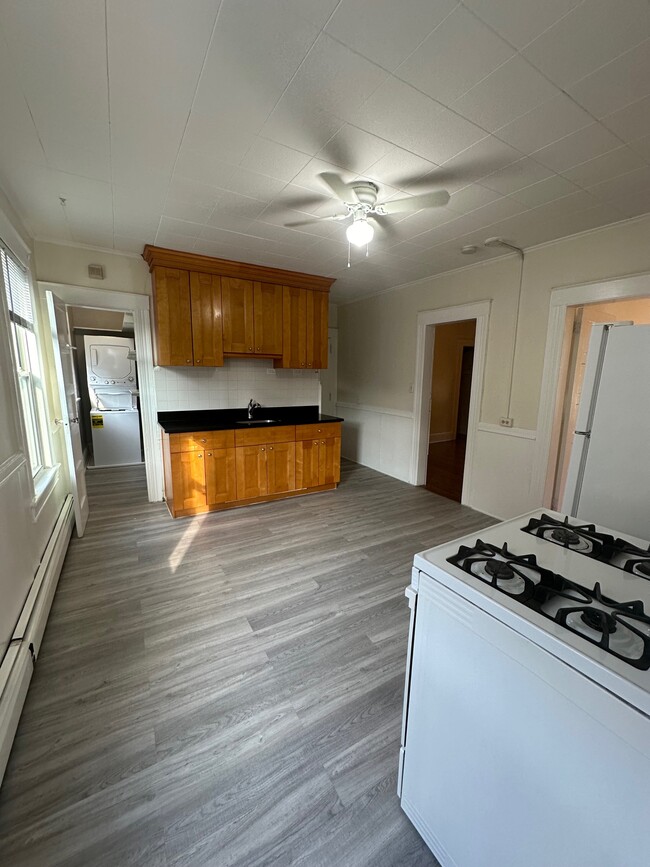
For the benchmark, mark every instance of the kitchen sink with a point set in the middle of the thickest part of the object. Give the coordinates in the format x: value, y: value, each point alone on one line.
x: 259, y: 421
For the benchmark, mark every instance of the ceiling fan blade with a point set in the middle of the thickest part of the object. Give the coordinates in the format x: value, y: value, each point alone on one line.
x: 316, y: 220
x: 340, y: 189
x: 415, y: 203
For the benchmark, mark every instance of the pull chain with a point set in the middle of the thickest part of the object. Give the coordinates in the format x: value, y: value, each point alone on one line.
x: 348, y: 254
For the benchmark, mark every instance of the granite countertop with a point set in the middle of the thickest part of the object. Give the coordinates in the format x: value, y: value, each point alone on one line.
x: 186, y: 421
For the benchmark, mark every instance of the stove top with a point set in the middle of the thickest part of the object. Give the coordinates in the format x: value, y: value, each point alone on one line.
x: 588, y: 540
x: 587, y: 603
x: 619, y: 628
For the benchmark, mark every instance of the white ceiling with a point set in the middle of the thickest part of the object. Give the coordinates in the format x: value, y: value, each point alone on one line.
x: 203, y: 126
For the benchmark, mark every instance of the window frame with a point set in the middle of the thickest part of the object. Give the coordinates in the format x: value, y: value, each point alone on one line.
x: 28, y: 369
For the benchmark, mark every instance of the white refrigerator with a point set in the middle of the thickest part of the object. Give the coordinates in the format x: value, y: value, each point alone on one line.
x: 608, y: 480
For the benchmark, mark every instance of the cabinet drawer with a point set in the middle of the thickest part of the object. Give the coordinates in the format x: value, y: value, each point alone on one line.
x: 208, y: 439
x: 324, y: 430
x: 260, y: 435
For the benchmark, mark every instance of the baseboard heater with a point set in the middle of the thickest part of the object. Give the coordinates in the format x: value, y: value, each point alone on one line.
x: 22, y: 653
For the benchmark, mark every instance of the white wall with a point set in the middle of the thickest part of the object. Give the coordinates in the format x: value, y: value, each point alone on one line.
x: 377, y: 338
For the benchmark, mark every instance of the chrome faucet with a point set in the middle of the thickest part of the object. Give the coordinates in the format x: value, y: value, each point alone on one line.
x: 252, y: 406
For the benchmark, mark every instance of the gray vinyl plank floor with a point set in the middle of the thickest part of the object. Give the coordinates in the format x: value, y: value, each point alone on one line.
x: 225, y: 690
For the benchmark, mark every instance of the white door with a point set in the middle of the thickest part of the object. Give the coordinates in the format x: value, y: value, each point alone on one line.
x: 328, y: 376
x: 70, y: 406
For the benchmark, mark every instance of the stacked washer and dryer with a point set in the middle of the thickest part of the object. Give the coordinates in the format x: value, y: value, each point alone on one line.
x: 113, y: 391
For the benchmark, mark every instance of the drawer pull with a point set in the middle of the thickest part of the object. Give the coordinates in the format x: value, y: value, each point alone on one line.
x: 203, y: 440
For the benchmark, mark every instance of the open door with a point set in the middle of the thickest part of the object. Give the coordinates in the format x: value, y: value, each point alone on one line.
x: 70, y: 404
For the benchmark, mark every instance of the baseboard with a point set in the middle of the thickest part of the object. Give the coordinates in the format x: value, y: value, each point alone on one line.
x: 18, y: 664
x: 441, y: 437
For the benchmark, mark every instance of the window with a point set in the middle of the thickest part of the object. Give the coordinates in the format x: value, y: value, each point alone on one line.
x: 27, y: 360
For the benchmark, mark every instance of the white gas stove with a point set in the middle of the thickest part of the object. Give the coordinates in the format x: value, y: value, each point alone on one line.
x: 528, y: 696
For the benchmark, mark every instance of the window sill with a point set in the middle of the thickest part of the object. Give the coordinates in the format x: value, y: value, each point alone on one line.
x: 44, y: 484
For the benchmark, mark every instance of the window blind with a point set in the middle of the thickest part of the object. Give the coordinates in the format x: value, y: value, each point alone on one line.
x: 19, y: 297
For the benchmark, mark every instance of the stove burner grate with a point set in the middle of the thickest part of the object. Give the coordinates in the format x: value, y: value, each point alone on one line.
x: 521, y: 578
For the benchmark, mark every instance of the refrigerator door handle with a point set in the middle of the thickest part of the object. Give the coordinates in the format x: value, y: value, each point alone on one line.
x: 582, y: 433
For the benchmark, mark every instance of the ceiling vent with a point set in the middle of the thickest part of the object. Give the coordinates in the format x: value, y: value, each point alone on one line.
x: 96, y: 272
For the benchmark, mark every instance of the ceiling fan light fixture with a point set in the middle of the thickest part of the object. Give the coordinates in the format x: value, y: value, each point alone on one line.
x: 360, y: 232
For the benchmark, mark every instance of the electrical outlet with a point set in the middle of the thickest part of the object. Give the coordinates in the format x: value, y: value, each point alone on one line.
x: 505, y: 422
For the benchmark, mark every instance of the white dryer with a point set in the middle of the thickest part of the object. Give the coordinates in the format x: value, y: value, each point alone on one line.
x: 114, y: 415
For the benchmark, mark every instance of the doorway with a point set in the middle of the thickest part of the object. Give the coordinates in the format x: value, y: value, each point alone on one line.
x: 580, y: 320
x: 464, y: 417
x: 138, y: 307
x: 451, y: 388
x: 87, y: 325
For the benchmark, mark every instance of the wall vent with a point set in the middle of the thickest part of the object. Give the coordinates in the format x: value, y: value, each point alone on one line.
x: 96, y: 272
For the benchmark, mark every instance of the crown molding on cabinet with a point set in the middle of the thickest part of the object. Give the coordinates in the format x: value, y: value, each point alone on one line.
x: 226, y: 268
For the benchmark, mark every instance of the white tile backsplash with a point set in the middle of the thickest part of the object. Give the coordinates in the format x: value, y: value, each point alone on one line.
x: 234, y: 384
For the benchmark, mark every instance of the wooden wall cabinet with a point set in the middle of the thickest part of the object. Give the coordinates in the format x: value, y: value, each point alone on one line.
x: 252, y: 317
x: 187, y: 318
x: 210, y: 470
x: 305, y: 322
x: 206, y: 308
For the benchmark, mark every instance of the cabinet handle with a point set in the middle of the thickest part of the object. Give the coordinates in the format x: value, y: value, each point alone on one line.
x: 257, y: 349
x: 198, y: 361
x: 209, y: 454
x: 309, y: 364
x: 302, y: 363
x: 322, y: 442
x: 261, y: 450
x: 188, y: 361
x: 315, y: 442
x: 319, y: 431
x: 200, y: 455
x: 270, y: 448
x: 250, y: 348
x: 204, y: 440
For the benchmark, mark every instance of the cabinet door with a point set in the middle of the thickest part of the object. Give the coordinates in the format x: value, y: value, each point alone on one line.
x: 188, y: 480
x: 281, y: 467
x: 207, y: 337
x: 329, y: 461
x: 268, y: 318
x: 251, y: 472
x: 220, y: 476
x: 173, y: 319
x: 307, y: 464
x: 294, y: 327
x: 237, y: 309
x: 317, y: 304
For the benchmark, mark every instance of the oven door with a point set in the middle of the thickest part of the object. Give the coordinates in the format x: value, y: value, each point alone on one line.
x: 511, y: 756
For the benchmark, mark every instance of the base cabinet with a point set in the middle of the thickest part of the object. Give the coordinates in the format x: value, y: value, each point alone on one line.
x: 220, y: 476
x: 318, y: 462
x: 221, y: 469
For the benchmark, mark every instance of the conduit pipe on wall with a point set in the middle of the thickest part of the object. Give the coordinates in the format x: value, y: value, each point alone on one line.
x: 499, y: 242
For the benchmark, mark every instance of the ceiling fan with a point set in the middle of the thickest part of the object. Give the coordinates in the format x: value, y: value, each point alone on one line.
x: 360, y: 200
